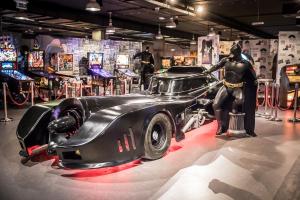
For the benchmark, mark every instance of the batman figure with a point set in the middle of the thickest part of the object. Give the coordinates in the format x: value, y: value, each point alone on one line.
x: 147, y: 66
x: 238, y: 93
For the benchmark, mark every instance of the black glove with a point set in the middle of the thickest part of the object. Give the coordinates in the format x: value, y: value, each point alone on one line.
x: 206, y: 72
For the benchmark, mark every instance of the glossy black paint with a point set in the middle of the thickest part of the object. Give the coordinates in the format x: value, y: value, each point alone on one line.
x: 113, y: 127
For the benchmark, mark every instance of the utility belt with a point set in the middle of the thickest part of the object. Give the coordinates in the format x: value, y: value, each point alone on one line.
x: 233, y: 85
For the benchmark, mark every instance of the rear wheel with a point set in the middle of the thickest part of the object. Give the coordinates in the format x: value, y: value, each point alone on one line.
x: 157, y: 137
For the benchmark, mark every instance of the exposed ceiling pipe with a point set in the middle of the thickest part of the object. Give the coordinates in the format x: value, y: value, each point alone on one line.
x: 170, y: 7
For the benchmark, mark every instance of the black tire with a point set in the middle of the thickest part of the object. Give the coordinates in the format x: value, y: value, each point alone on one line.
x: 158, y: 137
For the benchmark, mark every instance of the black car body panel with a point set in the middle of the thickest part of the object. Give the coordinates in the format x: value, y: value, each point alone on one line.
x: 112, y: 128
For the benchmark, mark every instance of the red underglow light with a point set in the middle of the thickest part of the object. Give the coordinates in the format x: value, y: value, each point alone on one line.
x: 42, y: 156
x: 102, y: 171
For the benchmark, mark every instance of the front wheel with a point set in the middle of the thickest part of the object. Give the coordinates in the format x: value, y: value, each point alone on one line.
x: 157, y: 137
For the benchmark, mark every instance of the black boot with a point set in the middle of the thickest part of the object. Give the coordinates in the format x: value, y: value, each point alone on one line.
x: 218, y: 115
x: 252, y: 134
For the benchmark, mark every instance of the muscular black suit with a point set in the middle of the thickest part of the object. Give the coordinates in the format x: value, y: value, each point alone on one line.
x: 147, y: 66
x: 239, y: 78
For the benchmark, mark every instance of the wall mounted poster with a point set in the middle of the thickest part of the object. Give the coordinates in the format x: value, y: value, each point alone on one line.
x: 65, y: 63
x: 208, y: 50
x: 225, y: 47
x: 288, y: 50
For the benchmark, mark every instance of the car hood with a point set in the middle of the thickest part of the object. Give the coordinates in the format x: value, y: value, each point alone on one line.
x: 111, y: 108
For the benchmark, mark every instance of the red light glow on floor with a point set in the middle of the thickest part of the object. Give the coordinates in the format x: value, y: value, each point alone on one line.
x: 102, y: 171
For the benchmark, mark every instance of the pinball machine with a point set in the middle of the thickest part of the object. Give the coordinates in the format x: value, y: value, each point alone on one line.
x: 102, y: 80
x: 46, y: 83
x: 289, y: 76
x: 17, y: 82
x: 165, y: 65
x: 129, y: 80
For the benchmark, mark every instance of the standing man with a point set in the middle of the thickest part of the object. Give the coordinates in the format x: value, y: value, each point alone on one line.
x: 147, y: 66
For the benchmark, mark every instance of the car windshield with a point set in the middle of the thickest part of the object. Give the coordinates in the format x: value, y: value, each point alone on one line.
x: 159, y: 85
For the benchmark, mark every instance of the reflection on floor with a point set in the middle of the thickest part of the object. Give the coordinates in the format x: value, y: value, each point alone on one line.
x: 200, y: 167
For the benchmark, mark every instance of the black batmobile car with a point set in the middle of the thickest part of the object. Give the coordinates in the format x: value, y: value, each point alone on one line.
x: 91, y: 132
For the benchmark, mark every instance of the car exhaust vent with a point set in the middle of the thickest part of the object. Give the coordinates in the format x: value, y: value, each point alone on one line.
x: 120, y: 148
x: 132, y: 138
x: 126, y: 142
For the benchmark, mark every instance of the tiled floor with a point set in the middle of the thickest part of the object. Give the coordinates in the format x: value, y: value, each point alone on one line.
x: 200, y: 167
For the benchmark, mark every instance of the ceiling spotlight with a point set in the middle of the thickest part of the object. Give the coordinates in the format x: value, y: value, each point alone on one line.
x: 22, y: 16
x: 110, y: 29
x: 199, y: 9
x: 40, y: 28
x: 211, y: 32
x: 21, y: 4
x: 171, y: 23
x: 172, y: 1
x: 173, y: 49
x: 257, y: 22
x: 92, y: 6
x: 193, y: 41
x: 161, y: 18
x: 159, y: 36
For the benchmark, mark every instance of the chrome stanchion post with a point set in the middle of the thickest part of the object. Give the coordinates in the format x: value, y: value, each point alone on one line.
x: 295, y: 119
x: 6, y: 118
x: 111, y: 87
x: 66, y: 89
x: 32, y: 93
x: 80, y: 89
x: 272, y: 102
x: 266, y: 114
x: 276, y: 104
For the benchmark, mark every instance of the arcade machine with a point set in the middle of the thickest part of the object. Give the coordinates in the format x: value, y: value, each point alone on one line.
x: 289, y: 76
x: 100, y: 77
x: 189, y: 61
x: 44, y: 81
x: 178, y: 60
x: 165, y: 65
x: 18, y: 83
x: 64, y: 70
x: 126, y: 75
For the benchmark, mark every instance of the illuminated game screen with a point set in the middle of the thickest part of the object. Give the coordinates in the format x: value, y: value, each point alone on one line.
x: 36, y: 60
x: 166, y: 63
x: 7, y: 66
x: 95, y: 60
x: 292, y: 75
x: 189, y: 61
x: 178, y: 60
x: 123, y: 60
x: 8, y: 55
x: 65, y: 62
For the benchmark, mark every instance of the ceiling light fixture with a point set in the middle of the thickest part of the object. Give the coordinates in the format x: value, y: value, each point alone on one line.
x: 161, y: 18
x: 21, y: 4
x: 110, y: 29
x: 22, y: 16
x: 92, y: 6
x: 258, y: 22
x: 172, y: 1
x: 159, y: 36
x: 193, y: 41
x: 171, y: 23
x: 199, y: 9
x: 211, y: 32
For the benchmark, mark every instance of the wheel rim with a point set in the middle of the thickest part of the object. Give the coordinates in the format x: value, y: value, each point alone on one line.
x: 158, y: 135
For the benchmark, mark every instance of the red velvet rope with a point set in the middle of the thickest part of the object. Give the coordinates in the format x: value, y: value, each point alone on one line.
x: 14, y: 101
